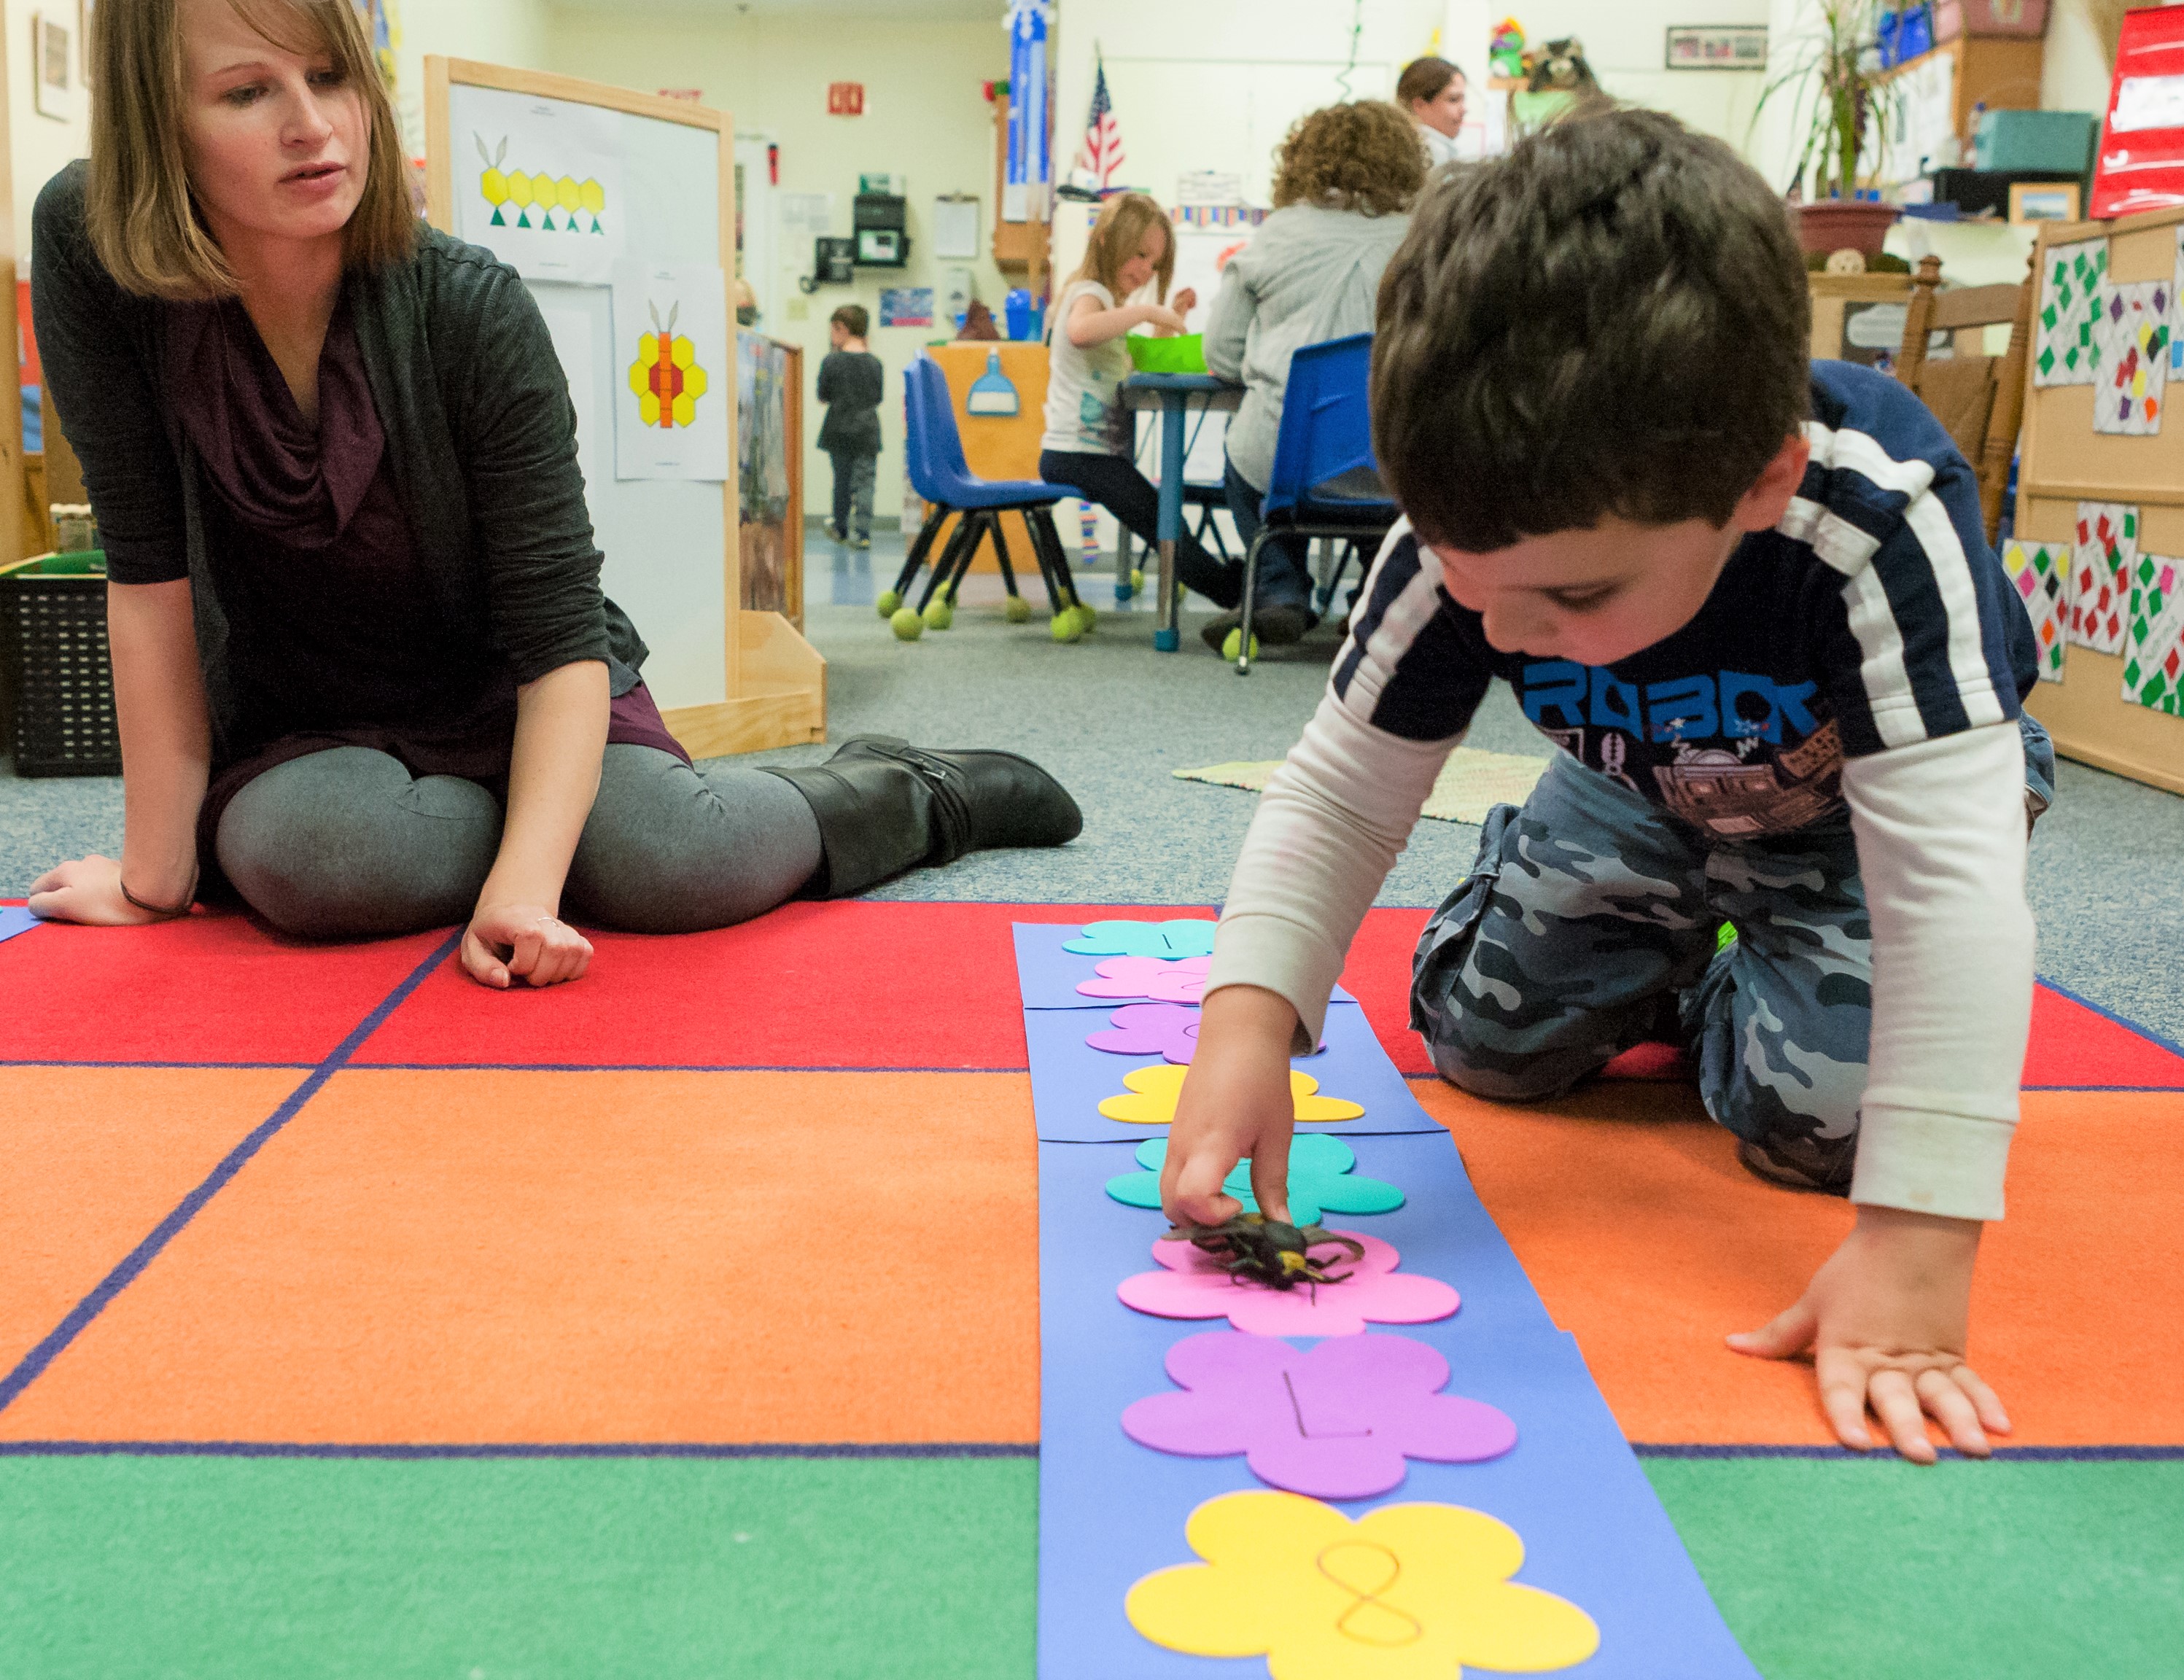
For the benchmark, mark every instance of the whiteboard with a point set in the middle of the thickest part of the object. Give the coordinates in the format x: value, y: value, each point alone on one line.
x: 665, y: 542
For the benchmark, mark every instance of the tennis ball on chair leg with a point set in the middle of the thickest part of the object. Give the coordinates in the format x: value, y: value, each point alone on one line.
x: 1017, y: 611
x: 1087, y: 618
x: 1233, y: 644
x: 906, y: 624
x: 1065, y: 627
x: 940, y: 612
x: 888, y: 603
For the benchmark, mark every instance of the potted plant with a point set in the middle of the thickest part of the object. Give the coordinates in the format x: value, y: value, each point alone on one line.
x: 1844, y: 104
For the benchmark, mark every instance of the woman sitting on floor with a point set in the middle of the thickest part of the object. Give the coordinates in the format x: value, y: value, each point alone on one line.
x: 362, y: 666
x: 1344, y: 180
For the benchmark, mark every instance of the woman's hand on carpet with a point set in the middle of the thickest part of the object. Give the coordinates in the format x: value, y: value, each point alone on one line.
x: 1885, y: 1320
x: 508, y: 943
x: 87, y: 890
x: 1235, y: 1102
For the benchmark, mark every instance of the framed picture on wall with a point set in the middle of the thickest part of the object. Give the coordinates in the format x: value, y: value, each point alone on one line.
x: 2043, y: 201
x: 1717, y: 47
x: 52, y: 65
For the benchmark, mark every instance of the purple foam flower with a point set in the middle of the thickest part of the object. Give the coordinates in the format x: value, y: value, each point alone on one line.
x: 1152, y: 977
x: 1193, y: 1284
x: 1169, y: 1030
x: 1336, y: 1422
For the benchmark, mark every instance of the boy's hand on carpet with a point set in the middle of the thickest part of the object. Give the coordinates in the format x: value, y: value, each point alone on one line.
x: 1235, y: 1102
x: 508, y: 943
x: 1885, y: 1320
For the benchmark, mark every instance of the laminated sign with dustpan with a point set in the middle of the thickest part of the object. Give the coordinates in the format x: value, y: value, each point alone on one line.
x: 991, y: 393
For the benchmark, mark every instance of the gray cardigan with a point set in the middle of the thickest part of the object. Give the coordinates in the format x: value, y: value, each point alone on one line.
x: 1309, y: 275
x: 481, y: 440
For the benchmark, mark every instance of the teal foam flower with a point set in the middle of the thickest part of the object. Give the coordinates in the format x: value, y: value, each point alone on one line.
x: 1320, y: 1180
x: 1166, y: 939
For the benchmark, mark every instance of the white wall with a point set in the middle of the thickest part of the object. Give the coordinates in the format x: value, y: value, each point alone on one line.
x: 510, y: 32
x: 926, y: 116
x: 2074, y: 69
x: 38, y: 145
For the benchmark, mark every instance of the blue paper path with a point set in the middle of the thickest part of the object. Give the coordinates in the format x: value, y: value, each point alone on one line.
x: 14, y: 919
x: 1048, y: 974
x: 1112, y: 1511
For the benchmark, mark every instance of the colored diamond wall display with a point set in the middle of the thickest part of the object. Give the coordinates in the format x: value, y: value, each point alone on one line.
x: 2154, y: 648
x: 2106, y: 550
x: 2041, y: 571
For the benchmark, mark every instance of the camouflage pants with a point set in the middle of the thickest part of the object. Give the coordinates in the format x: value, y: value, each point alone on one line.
x: 1591, y: 909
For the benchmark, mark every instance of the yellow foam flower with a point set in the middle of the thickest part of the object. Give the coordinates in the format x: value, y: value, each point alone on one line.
x: 1158, y: 1087
x: 1408, y: 1592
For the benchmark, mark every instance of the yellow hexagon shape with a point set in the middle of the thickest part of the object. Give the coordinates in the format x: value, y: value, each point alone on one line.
x: 684, y: 353
x: 686, y: 409
x: 648, y: 409
x: 595, y: 197
x: 566, y: 190
x: 519, y: 186
x: 693, y: 381
x: 1155, y: 1089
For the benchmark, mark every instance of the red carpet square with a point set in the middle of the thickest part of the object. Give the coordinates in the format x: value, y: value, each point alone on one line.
x: 204, y: 989
x: 846, y: 985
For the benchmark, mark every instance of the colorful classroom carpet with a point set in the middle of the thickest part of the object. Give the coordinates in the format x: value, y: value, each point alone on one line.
x: 355, y: 1320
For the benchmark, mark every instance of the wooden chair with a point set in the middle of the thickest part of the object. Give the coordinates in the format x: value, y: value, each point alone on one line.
x: 1980, y: 398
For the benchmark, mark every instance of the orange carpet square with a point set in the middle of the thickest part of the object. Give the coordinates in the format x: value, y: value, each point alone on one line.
x: 95, y: 1158
x: 519, y: 1256
x: 1650, y: 1242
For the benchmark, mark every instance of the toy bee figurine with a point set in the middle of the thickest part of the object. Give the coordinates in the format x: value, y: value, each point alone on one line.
x: 1268, y: 1251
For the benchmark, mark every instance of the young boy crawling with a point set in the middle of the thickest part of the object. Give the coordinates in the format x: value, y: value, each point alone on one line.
x: 1751, y: 601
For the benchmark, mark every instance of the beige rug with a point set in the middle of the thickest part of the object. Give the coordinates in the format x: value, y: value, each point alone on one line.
x: 1470, y: 784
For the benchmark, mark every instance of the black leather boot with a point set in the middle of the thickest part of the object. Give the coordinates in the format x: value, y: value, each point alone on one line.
x: 884, y: 806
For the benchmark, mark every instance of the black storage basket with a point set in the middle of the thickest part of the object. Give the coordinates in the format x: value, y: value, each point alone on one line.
x: 59, y: 685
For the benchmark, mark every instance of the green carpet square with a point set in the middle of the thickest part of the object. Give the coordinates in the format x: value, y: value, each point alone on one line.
x: 113, y: 1568
x: 1833, y: 1567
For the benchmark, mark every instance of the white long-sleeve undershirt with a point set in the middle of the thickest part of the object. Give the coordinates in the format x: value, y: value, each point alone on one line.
x: 1940, y: 835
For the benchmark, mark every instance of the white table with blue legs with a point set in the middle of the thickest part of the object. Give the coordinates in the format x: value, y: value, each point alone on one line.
x: 1175, y: 395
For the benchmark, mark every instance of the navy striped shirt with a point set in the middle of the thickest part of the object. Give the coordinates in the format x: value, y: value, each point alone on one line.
x: 1875, y: 615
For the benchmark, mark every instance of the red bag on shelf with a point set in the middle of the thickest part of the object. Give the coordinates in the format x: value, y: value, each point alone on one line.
x: 2140, y: 165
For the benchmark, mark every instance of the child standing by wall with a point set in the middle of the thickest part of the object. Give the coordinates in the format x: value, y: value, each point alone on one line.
x: 1089, y: 435
x: 851, y: 382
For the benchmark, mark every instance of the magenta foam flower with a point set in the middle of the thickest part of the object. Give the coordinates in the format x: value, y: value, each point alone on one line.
x: 1336, y: 1422
x: 1194, y: 1284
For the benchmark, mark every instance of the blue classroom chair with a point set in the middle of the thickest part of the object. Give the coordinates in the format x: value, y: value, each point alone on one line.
x: 1324, y: 482
x: 934, y: 451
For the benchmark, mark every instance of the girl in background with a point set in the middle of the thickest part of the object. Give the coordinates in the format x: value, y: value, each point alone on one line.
x: 1087, y: 445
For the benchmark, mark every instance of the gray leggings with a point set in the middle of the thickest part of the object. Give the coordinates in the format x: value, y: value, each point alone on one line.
x: 347, y: 844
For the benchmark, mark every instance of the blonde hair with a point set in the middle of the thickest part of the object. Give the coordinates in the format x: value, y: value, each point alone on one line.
x: 1116, y: 236
x: 139, y: 211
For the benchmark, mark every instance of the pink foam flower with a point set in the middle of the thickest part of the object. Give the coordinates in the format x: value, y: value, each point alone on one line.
x: 1152, y: 977
x: 1194, y: 1284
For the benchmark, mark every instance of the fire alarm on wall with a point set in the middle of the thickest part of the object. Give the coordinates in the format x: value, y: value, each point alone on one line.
x: 846, y: 99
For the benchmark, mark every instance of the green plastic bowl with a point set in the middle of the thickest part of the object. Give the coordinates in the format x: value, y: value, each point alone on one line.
x: 1184, y: 354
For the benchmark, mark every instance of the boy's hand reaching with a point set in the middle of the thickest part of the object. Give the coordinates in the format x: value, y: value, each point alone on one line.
x: 1235, y: 1102
x: 1885, y: 1320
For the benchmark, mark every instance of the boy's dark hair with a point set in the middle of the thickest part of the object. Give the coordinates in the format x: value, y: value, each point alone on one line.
x: 1611, y: 319
x: 854, y: 318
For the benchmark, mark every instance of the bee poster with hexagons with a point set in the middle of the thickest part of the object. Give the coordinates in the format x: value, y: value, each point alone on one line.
x: 648, y: 183
x: 674, y: 368
x: 539, y: 184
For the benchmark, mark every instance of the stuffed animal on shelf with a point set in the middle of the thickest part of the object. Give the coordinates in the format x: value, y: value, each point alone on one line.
x: 1559, y: 67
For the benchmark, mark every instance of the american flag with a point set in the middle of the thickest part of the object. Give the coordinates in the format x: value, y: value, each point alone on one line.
x: 1102, y: 152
